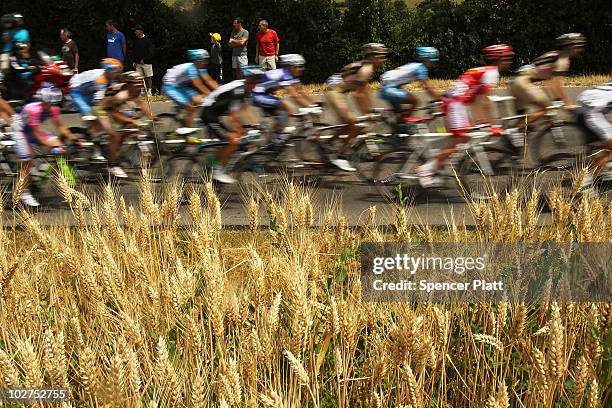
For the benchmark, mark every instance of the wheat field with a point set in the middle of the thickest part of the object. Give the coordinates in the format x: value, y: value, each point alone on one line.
x: 127, y: 309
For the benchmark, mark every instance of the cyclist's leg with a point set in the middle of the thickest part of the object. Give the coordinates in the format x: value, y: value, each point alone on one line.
x: 6, y: 112
x: 457, y: 122
x: 180, y: 97
x: 233, y: 132
x: 398, y: 98
x: 195, y: 99
x: 343, y: 112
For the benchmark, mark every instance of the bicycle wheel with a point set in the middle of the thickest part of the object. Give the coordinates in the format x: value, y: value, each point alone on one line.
x: 493, y: 170
x: 367, y: 152
x: 166, y: 125
x: 559, y: 147
x: 184, y: 169
x: 395, y: 169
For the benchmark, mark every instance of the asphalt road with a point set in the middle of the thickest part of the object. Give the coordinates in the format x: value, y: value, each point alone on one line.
x: 342, y: 190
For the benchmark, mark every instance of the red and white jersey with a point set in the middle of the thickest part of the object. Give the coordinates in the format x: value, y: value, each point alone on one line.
x: 473, y: 82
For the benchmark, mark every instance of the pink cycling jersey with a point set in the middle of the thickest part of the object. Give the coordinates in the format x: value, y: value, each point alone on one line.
x: 33, y: 114
x: 473, y: 82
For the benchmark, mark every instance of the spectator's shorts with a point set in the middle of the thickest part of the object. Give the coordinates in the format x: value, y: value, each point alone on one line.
x: 146, y: 70
x: 597, y: 123
x: 83, y: 103
x: 395, y: 95
x: 267, y: 63
x: 337, y: 100
x: 25, y: 143
x: 181, y: 95
x: 527, y: 94
x: 269, y: 103
x: 456, y: 117
x: 239, y: 61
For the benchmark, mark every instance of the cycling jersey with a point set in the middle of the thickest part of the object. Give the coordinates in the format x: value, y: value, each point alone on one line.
x: 33, y: 114
x: 599, y: 99
x: 183, y: 74
x: 525, y: 92
x: 596, y: 103
x: 88, y: 88
x: 473, y: 82
x: 351, y: 76
x: 274, y: 80
x: 226, y: 98
x: 414, y: 71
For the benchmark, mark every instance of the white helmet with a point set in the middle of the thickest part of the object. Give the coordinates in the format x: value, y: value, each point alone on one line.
x: 292, y: 60
x: 49, y: 94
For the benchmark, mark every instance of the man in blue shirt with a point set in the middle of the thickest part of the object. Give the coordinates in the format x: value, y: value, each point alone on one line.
x: 115, y: 42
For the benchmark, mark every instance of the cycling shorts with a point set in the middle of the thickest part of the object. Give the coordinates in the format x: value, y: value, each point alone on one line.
x: 395, y: 95
x: 337, y: 101
x: 181, y: 95
x: 596, y: 122
x: 25, y: 140
x: 456, y: 117
x: 526, y: 95
x: 269, y: 103
x: 212, y: 120
x: 82, y: 102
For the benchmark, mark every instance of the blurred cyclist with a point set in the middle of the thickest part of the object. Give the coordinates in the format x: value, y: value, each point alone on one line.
x: 393, y: 82
x: 470, y: 90
x: 287, y: 78
x: 354, y: 79
x: 31, y: 133
x: 187, y: 84
x: 88, y: 91
x: 568, y: 46
x: 230, y: 101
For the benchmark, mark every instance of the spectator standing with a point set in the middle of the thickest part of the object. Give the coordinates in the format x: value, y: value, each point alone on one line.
x: 142, y: 56
x: 70, y: 51
x: 216, y: 60
x: 267, y: 45
x: 8, y: 27
x: 238, y: 44
x: 115, y: 42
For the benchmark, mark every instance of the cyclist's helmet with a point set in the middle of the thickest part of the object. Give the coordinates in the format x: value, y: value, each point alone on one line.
x: 49, y: 94
x: 292, y: 60
x: 548, y: 58
x: 197, y: 54
x: 132, y: 77
x: 252, y: 71
x: 374, y: 49
x: 427, y: 53
x: 498, y: 52
x: 112, y: 65
x: 571, y: 40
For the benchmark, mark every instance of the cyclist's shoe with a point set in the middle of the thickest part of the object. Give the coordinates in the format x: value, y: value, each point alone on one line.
x: 343, y: 164
x: 28, y: 199
x: 221, y: 176
x: 97, y: 155
x: 427, y: 176
x: 117, y: 172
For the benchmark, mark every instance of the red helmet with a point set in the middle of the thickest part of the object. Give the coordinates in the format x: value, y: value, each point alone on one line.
x: 498, y: 51
x: 57, y: 73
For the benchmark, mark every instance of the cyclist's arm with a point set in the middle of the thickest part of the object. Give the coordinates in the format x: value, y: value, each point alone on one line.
x: 486, y: 106
x: 143, y: 106
x: 39, y: 135
x: 122, y: 118
x: 199, y: 85
x: 362, y: 97
x: 210, y: 82
x: 247, y: 113
x: 555, y: 85
x: 297, y: 96
x: 63, y: 130
x: 428, y: 87
x: 302, y: 90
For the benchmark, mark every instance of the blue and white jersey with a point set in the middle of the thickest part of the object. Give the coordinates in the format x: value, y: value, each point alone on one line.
x: 183, y: 74
x: 414, y: 71
x: 274, y: 80
x: 92, y: 82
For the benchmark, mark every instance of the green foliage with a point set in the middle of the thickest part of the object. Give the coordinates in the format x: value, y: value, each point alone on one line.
x: 329, y: 33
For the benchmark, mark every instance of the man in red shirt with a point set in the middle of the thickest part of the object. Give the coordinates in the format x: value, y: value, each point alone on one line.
x: 266, y: 50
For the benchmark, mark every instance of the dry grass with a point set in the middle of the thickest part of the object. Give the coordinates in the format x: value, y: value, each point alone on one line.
x: 129, y: 310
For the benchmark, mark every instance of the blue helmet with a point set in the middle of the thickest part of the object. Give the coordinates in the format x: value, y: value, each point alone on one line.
x: 197, y: 55
x: 251, y: 71
x: 428, y: 53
